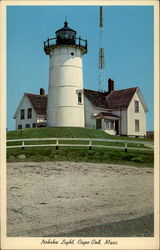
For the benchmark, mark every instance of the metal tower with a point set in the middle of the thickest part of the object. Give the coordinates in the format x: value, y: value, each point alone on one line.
x: 101, y: 54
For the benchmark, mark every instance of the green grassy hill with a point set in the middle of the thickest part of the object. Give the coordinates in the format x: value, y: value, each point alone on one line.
x: 56, y: 132
x: 83, y: 154
x: 64, y: 133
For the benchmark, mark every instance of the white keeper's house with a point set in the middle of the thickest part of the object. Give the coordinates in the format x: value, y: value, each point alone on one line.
x: 69, y: 104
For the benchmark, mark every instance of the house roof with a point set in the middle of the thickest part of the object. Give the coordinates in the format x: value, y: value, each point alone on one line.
x: 106, y: 114
x: 39, y: 103
x: 97, y: 99
x: 118, y: 99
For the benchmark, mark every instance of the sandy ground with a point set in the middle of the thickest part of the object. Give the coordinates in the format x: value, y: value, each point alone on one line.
x: 60, y: 197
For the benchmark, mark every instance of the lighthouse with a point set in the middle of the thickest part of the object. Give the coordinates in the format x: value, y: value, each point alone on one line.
x: 65, y: 106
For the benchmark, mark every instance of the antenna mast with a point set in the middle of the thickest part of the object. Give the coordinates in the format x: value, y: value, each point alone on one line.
x: 101, y: 54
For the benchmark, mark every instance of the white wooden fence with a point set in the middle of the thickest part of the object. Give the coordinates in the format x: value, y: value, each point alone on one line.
x: 149, y: 145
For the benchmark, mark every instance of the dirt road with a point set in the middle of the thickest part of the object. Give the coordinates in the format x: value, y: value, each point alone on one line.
x: 54, y: 198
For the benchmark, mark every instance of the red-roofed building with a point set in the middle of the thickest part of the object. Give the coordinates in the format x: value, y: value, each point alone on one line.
x: 117, y: 112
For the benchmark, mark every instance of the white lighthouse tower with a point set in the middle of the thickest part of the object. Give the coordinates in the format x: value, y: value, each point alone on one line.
x: 65, y: 93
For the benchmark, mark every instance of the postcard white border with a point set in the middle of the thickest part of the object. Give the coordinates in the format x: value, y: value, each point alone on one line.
x: 34, y: 243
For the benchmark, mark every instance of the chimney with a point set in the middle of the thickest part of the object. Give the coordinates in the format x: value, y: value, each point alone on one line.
x: 110, y: 85
x: 42, y: 91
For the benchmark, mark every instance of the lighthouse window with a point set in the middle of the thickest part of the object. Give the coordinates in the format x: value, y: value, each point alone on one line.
x: 79, y: 98
x: 66, y: 35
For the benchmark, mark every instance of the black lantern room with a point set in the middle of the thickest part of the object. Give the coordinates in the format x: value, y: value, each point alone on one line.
x: 65, y: 35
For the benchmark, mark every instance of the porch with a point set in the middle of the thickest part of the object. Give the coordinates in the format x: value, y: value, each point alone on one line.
x: 107, y: 122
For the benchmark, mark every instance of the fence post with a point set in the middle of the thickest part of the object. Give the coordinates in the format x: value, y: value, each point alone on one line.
x: 22, y: 145
x: 125, y: 146
x: 90, y: 145
x: 57, y: 145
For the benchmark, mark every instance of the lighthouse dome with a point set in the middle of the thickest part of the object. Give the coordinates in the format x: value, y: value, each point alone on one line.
x: 65, y: 35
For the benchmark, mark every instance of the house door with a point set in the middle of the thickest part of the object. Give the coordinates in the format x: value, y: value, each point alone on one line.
x: 98, y: 124
x: 117, y: 127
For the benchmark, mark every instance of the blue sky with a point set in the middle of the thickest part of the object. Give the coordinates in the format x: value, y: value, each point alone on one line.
x: 128, y: 43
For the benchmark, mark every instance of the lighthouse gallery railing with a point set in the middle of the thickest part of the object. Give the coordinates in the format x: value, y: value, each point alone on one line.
x: 53, y: 41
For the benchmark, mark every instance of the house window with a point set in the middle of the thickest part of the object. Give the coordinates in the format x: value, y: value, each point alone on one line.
x: 136, y: 105
x: 19, y: 126
x: 107, y: 124
x: 22, y: 114
x: 27, y: 125
x: 33, y: 125
x: 79, y: 98
x: 136, y: 125
x: 29, y: 113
